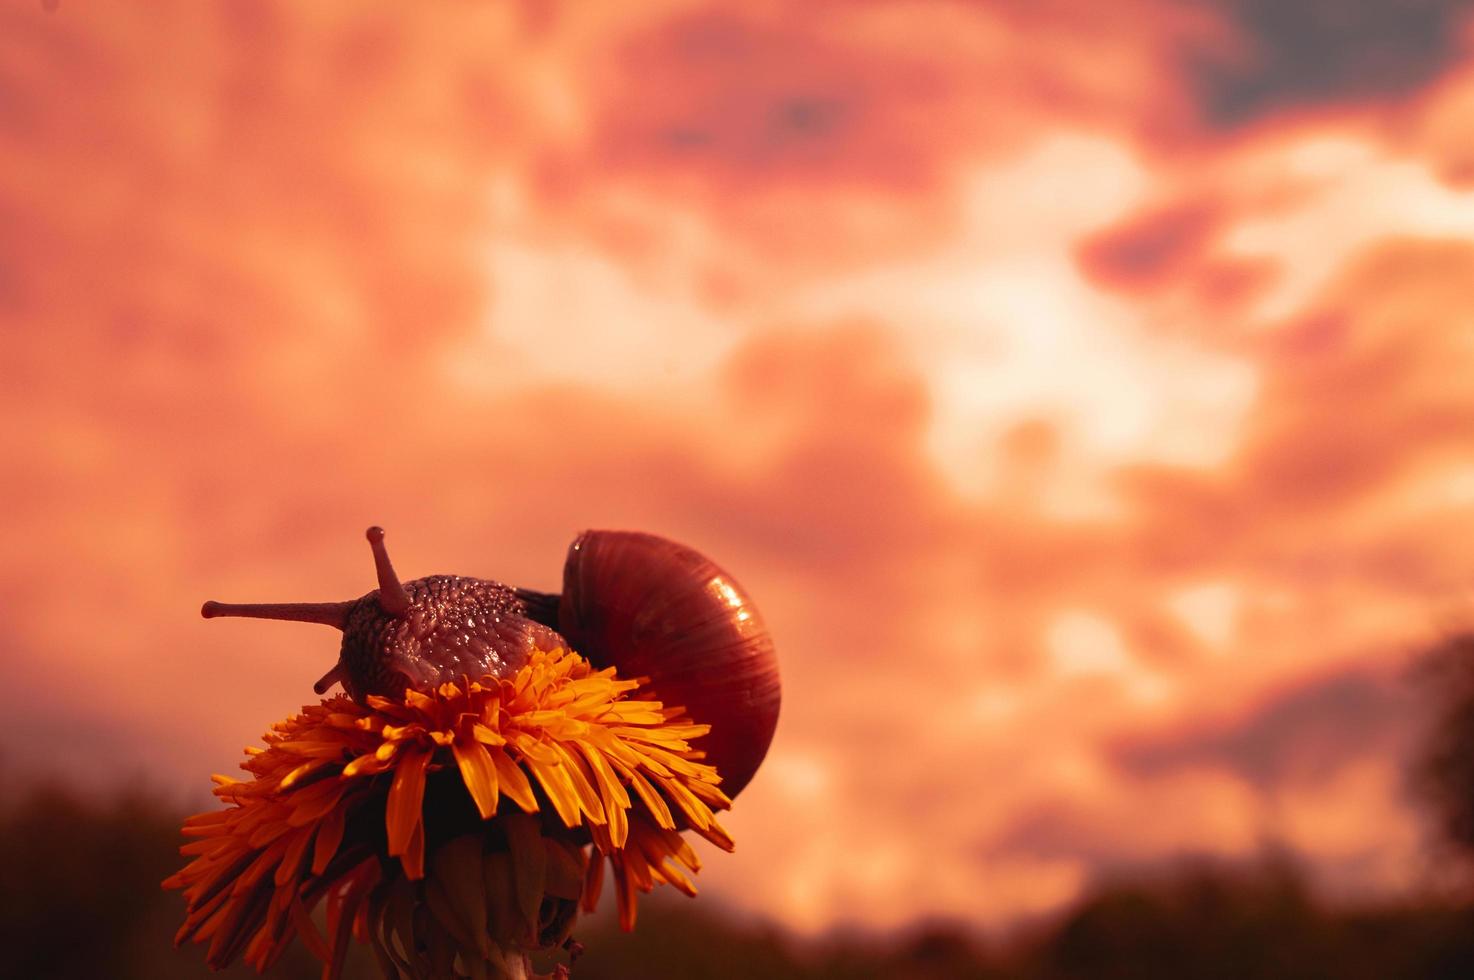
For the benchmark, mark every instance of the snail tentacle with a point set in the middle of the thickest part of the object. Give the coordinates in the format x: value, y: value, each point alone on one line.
x: 333, y: 614
x: 392, y: 595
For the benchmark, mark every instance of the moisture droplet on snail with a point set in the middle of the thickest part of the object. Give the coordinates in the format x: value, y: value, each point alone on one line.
x: 645, y: 605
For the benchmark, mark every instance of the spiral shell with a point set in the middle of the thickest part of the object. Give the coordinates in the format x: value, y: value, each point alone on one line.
x: 656, y: 609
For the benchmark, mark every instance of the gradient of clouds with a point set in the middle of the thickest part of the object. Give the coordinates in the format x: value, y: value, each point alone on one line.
x: 1096, y: 444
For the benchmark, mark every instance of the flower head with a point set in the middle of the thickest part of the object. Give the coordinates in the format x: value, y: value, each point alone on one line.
x: 453, y: 830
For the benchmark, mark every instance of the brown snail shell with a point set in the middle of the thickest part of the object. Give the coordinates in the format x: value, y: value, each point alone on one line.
x: 656, y: 609
x: 644, y: 605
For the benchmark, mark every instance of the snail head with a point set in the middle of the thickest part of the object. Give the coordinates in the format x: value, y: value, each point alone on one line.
x: 416, y: 634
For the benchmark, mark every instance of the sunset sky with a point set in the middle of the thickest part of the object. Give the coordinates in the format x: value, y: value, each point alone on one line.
x: 1084, y: 391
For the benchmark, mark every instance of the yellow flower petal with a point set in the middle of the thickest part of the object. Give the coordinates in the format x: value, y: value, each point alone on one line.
x: 402, y: 817
x: 514, y: 782
x: 478, y: 772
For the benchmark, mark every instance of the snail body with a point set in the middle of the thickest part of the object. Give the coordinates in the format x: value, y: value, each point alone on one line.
x: 648, y: 607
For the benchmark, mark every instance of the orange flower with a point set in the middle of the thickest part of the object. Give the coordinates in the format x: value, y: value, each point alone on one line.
x: 395, y: 813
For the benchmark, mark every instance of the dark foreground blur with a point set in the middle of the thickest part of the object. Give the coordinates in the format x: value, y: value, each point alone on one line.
x: 80, y: 897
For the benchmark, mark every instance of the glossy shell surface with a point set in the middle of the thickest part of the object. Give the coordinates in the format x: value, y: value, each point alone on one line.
x: 656, y: 609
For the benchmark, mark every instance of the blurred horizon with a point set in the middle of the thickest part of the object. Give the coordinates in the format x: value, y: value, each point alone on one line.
x: 1250, y: 918
x: 1081, y: 393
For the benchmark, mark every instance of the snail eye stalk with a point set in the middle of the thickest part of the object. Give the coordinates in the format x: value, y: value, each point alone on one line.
x: 327, y: 613
x: 392, y: 596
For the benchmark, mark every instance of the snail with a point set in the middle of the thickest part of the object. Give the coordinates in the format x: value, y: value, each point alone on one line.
x: 647, y: 606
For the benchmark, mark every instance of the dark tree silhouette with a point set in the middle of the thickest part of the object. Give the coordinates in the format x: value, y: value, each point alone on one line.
x: 1443, y: 771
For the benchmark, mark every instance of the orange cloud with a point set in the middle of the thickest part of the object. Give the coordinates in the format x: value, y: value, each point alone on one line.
x: 1085, y: 459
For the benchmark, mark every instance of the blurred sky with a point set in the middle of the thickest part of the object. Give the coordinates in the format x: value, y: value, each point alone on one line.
x: 1083, y: 390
